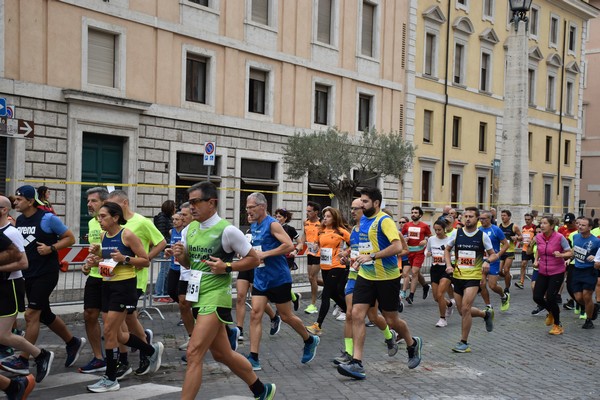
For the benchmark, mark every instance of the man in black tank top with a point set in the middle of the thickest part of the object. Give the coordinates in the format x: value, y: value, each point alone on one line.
x: 513, y: 235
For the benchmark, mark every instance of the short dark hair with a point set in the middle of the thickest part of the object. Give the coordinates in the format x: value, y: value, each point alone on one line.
x: 441, y: 222
x: 507, y: 212
x: 168, y: 208
x: 208, y: 189
x: 372, y: 193
x: 419, y: 209
x: 284, y: 213
x: 589, y: 220
x: 315, y: 206
x: 115, y: 210
x: 474, y: 209
x: 528, y: 215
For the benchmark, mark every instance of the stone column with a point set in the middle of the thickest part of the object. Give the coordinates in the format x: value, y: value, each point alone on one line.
x: 514, y: 162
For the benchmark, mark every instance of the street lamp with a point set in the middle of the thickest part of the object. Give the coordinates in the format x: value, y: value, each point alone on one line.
x: 520, y: 9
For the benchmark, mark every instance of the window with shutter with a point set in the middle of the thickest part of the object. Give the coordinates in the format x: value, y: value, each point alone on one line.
x: 101, y: 58
x: 324, y: 22
x: 368, y: 15
x: 260, y: 11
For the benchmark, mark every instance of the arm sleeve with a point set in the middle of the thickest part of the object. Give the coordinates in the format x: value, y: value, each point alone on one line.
x: 235, y: 241
x: 52, y: 224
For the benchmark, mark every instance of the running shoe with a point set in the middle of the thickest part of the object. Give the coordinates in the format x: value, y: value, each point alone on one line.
x: 369, y: 324
x: 314, y: 329
x: 241, y: 337
x: 296, y: 302
x: 520, y: 285
x: 400, y: 305
x: 255, y: 363
x: 576, y: 309
x: 104, y: 385
x: 275, y: 326
x: 441, y: 323
x: 345, y: 358
x: 583, y: 316
x: 341, y: 317
x: 310, y: 350
x: 450, y: 308
x: 461, y: 347
x: 505, y: 302
x: 6, y: 351
x: 414, y: 353
x: 588, y: 324
x: 426, y: 291
x: 185, y: 345
x: 538, y: 310
x: 43, y: 363
x: 184, y: 359
x: 156, y: 358
x: 311, y: 309
x: 392, y: 346
x: 353, y: 370
x: 233, y: 334
x: 557, y: 330
x: 74, y: 350
x: 25, y: 385
x: 409, y: 300
x: 180, y: 323
x: 269, y: 392
x: 95, y: 365
x: 507, y: 289
x: 569, y: 305
x: 336, y: 311
x: 123, y: 369
x: 489, y: 320
x: 549, y: 319
x: 16, y: 365
x: 144, y: 365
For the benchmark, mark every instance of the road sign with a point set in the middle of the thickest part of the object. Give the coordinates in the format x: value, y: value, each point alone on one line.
x: 210, y: 150
x: 18, y: 128
x: 2, y: 107
x: 10, y: 111
x: 26, y: 128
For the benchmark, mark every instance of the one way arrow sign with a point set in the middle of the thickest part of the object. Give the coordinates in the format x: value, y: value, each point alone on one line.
x: 26, y: 128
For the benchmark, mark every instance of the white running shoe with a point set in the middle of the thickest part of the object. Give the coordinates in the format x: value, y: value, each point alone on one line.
x: 336, y: 311
x: 341, y: 317
x: 450, y: 310
x: 442, y: 323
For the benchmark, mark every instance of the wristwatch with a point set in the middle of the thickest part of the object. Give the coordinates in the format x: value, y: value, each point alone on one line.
x: 228, y: 268
x: 53, y: 249
x: 127, y: 260
x: 373, y: 256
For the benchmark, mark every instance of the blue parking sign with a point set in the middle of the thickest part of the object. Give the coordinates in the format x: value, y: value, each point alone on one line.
x: 2, y: 107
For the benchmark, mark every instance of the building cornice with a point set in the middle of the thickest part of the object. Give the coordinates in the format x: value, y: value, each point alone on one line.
x: 577, y: 7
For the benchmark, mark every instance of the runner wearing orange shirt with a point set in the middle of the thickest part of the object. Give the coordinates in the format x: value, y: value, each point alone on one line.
x: 332, y: 236
x: 310, y: 237
x: 528, y: 233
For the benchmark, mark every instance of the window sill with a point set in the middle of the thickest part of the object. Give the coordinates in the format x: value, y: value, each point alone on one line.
x: 430, y: 77
x: 261, y: 26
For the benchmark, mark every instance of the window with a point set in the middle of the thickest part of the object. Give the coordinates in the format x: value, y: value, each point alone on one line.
x: 101, y: 58
x: 531, y: 86
x: 430, y: 54
x: 368, y: 29
x: 530, y: 145
x: 426, y: 188
x: 191, y: 169
x: 260, y: 11
x: 481, y: 191
x: 488, y: 9
x: 195, y: 79
x: 548, y: 149
x: 459, y: 50
x: 256, y: 91
x: 455, y: 190
x: 321, y: 104
x: 456, y: 132
x: 200, y: 2
x: 484, y: 84
x: 567, y: 152
x: 550, y: 96
x: 566, y: 199
x: 482, y: 137
x: 534, y: 21
x: 572, y: 38
x: 569, y: 99
x: 427, y: 121
x: 553, y: 31
x: 324, y: 21
x: 364, y: 112
x: 257, y: 176
x: 547, y: 197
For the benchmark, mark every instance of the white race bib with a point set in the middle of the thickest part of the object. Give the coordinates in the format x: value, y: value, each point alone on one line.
x: 526, y: 238
x: 106, y: 268
x: 438, y: 256
x: 193, y: 288
x: 258, y: 248
x: 580, y: 253
x: 365, y: 248
x: 326, y: 255
x: 466, y: 259
x: 414, y: 232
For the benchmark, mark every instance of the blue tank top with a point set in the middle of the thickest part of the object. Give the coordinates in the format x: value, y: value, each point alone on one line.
x: 274, y: 272
x: 175, y: 237
x: 110, y: 244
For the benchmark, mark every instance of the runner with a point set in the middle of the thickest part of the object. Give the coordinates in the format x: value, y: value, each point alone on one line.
x: 310, y: 238
x: 284, y: 216
x: 527, y: 233
x: 378, y: 281
x: 417, y: 233
x: 207, y: 248
x: 490, y: 277
x: 272, y: 279
x: 332, y: 236
x: 119, y: 256
x: 512, y: 233
x: 474, y: 252
x: 440, y: 280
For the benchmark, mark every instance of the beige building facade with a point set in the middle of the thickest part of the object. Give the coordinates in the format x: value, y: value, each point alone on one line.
x: 128, y: 92
x: 455, y: 103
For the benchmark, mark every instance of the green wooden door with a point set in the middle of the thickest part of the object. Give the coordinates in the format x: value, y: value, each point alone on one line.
x: 102, y: 161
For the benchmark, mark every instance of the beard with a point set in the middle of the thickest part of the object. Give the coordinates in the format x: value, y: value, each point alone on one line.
x: 369, y: 212
x: 415, y: 218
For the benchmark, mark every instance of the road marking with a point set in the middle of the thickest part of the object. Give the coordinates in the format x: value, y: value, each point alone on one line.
x: 134, y: 392
x: 65, y: 379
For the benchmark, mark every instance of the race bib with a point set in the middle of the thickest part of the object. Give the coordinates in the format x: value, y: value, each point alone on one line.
x: 526, y: 238
x: 466, y: 259
x: 438, y: 256
x: 106, y: 268
x: 365, y: 248
x: 326, y: 255
x: 414, y: 232
x: 580, y: 253
x: 258, y: 248
x: 193, y: 288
